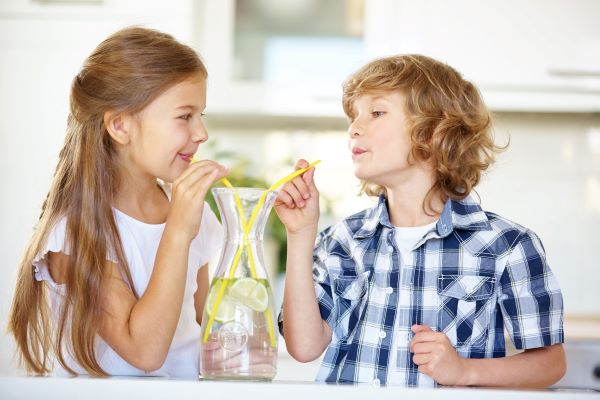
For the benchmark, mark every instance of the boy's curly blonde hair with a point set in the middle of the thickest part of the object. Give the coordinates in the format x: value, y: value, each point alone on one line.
x: 449, y: 123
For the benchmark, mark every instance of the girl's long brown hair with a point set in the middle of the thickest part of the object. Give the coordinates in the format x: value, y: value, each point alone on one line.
x: 449, y: 123
x: 124, y: 73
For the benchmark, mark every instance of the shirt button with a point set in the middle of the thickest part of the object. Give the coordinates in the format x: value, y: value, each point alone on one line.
x: 382, y: 334
x: 391, y: 248
x: 389, y: 290
x: 376, y: 382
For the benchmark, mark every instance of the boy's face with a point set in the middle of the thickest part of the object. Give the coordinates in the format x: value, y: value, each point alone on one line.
x: 379, y: 139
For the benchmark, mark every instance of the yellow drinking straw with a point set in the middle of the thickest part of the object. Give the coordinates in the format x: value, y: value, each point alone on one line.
x: 247, y: 226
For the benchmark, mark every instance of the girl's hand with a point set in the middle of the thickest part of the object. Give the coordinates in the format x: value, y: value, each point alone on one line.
x: 297, y: 204
x: 188, y: 193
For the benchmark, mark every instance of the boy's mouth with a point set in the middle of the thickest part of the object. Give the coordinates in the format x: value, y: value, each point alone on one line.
x: 356, y: 151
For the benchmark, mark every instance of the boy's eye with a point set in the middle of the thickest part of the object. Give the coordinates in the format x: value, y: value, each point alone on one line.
x: 186, y: 117
x: 377, y: 114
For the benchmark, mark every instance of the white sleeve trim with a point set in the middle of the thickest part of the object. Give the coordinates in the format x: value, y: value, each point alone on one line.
x: 56, y: 243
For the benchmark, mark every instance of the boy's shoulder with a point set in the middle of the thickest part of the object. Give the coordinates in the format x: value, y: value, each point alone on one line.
x: 498, y: 238
x: 354, y: 226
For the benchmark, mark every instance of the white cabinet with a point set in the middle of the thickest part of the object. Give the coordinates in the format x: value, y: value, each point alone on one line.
x: 535, y: 55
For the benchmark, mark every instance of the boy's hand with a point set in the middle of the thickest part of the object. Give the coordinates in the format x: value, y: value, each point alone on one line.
x: 436, y: 357
x: 297, y: 204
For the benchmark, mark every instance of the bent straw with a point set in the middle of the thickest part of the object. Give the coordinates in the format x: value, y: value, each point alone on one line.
x: 246, y: 228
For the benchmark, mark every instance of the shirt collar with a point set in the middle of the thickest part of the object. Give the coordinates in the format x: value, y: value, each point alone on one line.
x: 463, y: 214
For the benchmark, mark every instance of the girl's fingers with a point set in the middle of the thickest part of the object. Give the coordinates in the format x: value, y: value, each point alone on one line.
x: 201, y: 177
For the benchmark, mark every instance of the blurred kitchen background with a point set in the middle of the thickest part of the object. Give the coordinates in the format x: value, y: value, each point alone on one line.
x: 275, y: 74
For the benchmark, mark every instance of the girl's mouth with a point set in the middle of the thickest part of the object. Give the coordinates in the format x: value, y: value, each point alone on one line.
x: 185, y: 157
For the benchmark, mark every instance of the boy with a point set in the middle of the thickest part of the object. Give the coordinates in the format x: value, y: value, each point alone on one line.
x: 418, y: 289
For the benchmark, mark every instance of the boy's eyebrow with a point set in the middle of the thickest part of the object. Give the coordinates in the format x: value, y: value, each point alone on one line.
x: 379, y: 97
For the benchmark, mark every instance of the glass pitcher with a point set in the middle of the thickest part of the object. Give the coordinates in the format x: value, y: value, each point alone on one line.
x: 239, y: 330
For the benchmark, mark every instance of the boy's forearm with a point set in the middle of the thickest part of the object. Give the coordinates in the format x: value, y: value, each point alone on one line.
x: 536, y: 368
x: 306, y: 334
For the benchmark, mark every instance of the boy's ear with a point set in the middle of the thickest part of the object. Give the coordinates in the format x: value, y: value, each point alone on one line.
x: 118, y: 126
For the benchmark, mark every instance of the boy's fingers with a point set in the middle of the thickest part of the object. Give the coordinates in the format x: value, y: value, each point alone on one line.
x: 421, y: 328
x: 423, y: 347
x: 308, y: 178
x: 301, y: 163
x: 286, y: 199
x: 302, y: 187
x: 293, y: 191
x: 422, y: 337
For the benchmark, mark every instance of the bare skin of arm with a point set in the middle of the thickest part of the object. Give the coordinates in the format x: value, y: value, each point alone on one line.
x: 306, y: 334
x: 141, y: 330
x: 201, y: 293
x: 436, y: 357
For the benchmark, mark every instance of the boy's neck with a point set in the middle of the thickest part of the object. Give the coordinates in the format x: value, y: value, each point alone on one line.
x: 406, y: 203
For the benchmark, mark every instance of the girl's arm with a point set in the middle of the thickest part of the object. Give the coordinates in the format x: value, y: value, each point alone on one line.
x: 141, y: 330
x: 202, y: 292
x: 306, y: 334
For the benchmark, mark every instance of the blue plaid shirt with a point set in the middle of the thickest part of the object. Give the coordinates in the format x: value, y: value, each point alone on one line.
x: 473, y: 275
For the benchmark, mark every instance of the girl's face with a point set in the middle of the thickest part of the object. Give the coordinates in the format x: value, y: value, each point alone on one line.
x: 379, y: 139
x: 169, y: 130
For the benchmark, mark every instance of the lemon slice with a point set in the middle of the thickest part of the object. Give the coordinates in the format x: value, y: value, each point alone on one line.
x: 226, y: 310
x: 251, y: 293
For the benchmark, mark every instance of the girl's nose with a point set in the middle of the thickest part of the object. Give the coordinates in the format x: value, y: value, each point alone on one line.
x: 199, y: 134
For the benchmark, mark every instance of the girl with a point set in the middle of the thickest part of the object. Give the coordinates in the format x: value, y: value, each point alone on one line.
x: 118, y: 251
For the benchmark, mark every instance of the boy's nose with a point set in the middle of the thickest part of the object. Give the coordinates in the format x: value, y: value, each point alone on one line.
x: 355, y: 129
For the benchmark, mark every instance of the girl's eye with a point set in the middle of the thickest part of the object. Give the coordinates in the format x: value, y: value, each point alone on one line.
x: 377, y: 114
x: 186, y: 117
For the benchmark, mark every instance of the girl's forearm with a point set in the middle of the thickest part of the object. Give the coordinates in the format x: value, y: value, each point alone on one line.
x: 155, y: 315
x: 306, y: 334
x: 536, y: 368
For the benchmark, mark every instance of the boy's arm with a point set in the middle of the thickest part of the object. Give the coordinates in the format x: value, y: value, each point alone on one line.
x: 534, y: 368
x: 306, y: 333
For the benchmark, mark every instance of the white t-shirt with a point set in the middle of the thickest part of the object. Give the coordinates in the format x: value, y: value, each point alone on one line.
x: 406, y: 238
x: 140, y: 244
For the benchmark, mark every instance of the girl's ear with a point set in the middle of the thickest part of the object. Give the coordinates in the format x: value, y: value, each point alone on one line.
x: 118, y: 126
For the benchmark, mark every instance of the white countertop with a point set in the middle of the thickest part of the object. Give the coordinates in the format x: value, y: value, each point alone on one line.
x: 157, y: 388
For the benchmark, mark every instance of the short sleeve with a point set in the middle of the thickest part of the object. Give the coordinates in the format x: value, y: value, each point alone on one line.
x: 322, y: 278
x: 531, y: 299
x: 210, y: 238
x: 56, y: 242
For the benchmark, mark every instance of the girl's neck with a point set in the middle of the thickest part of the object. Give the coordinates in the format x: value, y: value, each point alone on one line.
x: 406, y: 202
x: 142, y: 199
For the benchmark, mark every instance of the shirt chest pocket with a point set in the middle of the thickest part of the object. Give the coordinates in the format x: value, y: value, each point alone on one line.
x: 349, y: 301
x: 466, y: 306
